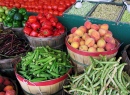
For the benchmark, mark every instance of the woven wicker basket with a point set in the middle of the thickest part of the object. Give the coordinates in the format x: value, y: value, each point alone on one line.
x: 126, y: 59
x: 54, y: 42
x: 81, y: 58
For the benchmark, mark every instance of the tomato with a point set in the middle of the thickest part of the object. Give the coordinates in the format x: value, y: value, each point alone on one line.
x: 41, y: 11
x: 45, y: 26
x: 68, y: 4
x: 62, y: 2
x: 40, y: 6
x: 45, y: 11
x: 61, y: 8
x: 61, y: 31
x: 55, y: 13
x: 40, y: 16
x: 54, y: 7
x: 59, y: 25
x: 32, y: 19
x: 34, y: 34
x: 48, y: 15
x: 53, y: 19
x: 43, y: 19
x: 27, y: 30
x: 36, y: 25
x: 72, y: 1
x: 17, y: 5
x: 46, y: 32
x: 49, y: 7
x: 51, y: 11
x: 60, y: 13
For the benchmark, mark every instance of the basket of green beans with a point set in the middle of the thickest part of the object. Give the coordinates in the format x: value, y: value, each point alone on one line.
x: 45, y: 69
x: 102, y: 77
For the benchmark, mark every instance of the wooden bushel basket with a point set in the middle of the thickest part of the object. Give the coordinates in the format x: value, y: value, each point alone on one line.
x: 42, y: 88
x: 56, y: 42
x: 81, y: 58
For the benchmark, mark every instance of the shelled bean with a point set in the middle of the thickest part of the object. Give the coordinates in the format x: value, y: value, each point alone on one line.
x: 126, y: 17
x: 107, y: 12
x: 86, y: 7
x: 101, y: 77
x: 44, y: 63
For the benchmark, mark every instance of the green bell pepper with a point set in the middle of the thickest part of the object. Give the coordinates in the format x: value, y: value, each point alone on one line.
x: 9, y: 24
x: 23, y: 23
x: 23, y: 11
x: 18, y: 16
x: 11, y: 13
x: 15, y: 9
x: 26, y: 17
x: 8, y: 18
x: 5, y: 23
x: 17, y: 24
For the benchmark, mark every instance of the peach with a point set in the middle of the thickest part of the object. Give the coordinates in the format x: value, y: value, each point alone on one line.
x: 100, y: 49
x: 101, y: 43
x: 90, y: 31
x: 8, y: 87
x: 95, y: 26
x: 91, y: 49
x: 82, y: 42
x: 85, y: 36
x: 107, y: 35
x: 110, y: 40
x: 70, y: 40
x: 73, y: 29
x: 71, y: 35
x: 79, y: 32
x: 102, y: 32
x: 104, y: 26
x: 89, y: 42
x: 109, y: 46
x: 83, y: 28
x: 87, y: 24
x: 95, y: 35
x: 95, y: 45
x: 83, y: 48
x: 109, y: 32
x: 76, y: 39
x: 75, y: 44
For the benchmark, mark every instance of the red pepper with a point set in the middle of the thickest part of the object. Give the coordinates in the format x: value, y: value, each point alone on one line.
x: 27, y: 24
x: 43, y: 19
x: 61, y: 31
x: 59, y: 25
x: 40, y: 16
x: 34, y: 34
x: 53, y: 19
x: 48, y: 16
x: 35, y: 25
x: 46, y: 32
x: 45, y: 26
x: 32, y: 19
x: 27, y: 30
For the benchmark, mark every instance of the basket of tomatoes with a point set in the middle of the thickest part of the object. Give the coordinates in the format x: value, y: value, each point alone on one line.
x: 45, y: 30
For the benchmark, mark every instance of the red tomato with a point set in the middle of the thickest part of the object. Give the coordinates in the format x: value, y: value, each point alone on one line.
x: 61, y: 31
x: 55, y: 13
x: 53, y: 19
x: 43, y: 19
x: 46, y: 32
x: 61, y: 8
x: 62, y: 2
x: 40, y: 6
x: 45, y: 12
x: 40, y: 16
x: 68, y: 4
x: 59, y: 25
x: 49, y: 7
x: 18, y: 5
x: 32, y: 19
x: 48, y: 15
x: 51, y: 11
x: 34, y: 34
x: 27, y: 30
x: 45, y: 6
x: 35, y: 25
x: 60, y: 13
x: 54, y: 7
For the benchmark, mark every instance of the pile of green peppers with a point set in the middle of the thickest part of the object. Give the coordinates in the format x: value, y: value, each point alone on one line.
x: 16, y: 18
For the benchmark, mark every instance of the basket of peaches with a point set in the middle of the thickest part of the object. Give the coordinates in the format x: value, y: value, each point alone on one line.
x: 90, y: 40
x: 7, y: 86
